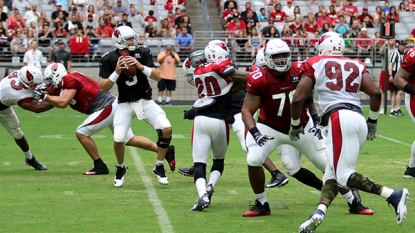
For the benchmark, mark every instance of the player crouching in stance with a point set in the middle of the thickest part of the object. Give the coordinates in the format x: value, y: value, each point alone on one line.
x: 82, y: 94
x: 214, y: 80
x: 17, y: 89
x: 134, y: 96
x: 334, y: 82
x: 270, y: 89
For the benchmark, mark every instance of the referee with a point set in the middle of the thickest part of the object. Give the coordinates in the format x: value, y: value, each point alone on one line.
x: 394, y: 64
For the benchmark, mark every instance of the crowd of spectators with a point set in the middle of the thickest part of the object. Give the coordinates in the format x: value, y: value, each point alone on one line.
x: 82, y: 26
x: 301, y: 29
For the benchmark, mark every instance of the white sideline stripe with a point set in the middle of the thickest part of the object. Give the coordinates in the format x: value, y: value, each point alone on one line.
x: 6, y: 163
x: 394, y: 140
x: 163, y: 218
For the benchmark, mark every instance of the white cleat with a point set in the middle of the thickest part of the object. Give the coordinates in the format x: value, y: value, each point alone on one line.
x: 119, y: 176
x: 398, y: 200
x: 312, y: 223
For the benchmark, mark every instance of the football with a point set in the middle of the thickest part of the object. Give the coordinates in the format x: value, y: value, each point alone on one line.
x: 131, y: 70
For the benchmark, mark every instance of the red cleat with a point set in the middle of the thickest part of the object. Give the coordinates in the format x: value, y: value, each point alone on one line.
x: 170, y: 157
x: 257, y: 210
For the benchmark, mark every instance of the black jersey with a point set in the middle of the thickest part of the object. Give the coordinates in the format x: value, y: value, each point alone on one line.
x: 130, y: 89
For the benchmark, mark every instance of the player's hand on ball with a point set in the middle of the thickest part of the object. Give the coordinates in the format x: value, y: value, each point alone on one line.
x: 132, y: 61
x: 121, y: 65
x: 38, y: 94
x: 295, y: 131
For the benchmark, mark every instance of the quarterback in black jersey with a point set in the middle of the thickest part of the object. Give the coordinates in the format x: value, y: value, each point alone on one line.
x: 134, y: 98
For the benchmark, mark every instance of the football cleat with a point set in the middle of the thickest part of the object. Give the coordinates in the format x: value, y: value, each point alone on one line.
x: 171, y: 157
x: 160, y: 173
x: 119, y: 176
x: 398, y: 200
x: 35, y: 164
x: 312, y: 223
x: 97, y: 170
x: 278, y: 179
x: 409, y: 173
x: 356, y: 207
x: 202, y: 203
x: 257, y: 210
x: 187, y: 171
x: 399, y: 112
x: 210, y: 191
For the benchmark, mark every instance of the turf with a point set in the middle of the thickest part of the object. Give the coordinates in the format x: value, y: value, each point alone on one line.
x: 61, y: 199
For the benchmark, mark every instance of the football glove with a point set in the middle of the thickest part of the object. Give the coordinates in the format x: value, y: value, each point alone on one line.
x: 295, y: 131
x: 259, y: 138
x: 371, y: 129
x: 189, y: 114
x: 38, y: 94
x: 316, y: 130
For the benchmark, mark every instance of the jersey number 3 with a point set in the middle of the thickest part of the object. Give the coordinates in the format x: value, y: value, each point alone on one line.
x: 335, y: 71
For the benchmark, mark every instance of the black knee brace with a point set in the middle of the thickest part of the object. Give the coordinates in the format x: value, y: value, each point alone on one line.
x: 199, y: 171
x: 218, y: 165
x: 166, y: 141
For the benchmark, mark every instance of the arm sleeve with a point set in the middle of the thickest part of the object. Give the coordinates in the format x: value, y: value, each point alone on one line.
x: 255, y: 83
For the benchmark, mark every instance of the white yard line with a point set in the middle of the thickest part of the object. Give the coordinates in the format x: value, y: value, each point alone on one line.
x: 163, y: 218
x: 394, y: 140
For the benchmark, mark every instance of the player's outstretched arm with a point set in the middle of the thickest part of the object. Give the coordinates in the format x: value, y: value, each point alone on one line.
x: 401, y: 81
x: 239, y: 76
x: 63, y: 100
x: 369, y: 87
x: 35, y: 106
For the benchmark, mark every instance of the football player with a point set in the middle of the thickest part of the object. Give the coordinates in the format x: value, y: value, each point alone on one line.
x: 278, y: 179
x: 334, y: 82
x: 405, y: 80
x: 214, y: 80
x: 270, y: 89
x: 134, y: 97
x: 82, y: 94
x: 17, y: 89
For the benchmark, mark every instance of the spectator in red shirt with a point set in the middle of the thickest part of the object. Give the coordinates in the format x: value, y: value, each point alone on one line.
x: 310, y: 27
x: 16, y: 22
x: 349, y: 10
x: 277, y: 15
x: 364, y: 44
x: 324, y: 19
x: 365, y: 13
x: 150, y: 16
x: 300, y: 41
x: 104, y: 30
x: 296, y: 25
x: 393, y: 16
x: 228, y: 12
x: 286, y: 35
x: 314, y: 40
x: 232, y: 24
x: 333, y: 15
x: 412, y: 35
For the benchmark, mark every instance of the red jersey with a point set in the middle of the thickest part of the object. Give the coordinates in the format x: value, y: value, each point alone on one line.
x: 362, y: 17
x: 232, y: 25
x: 105, y: 32
x: 276, y: 94
x: 86, y: 90
x: 150, y: 17
x: 310, y: 28
x: 364, y: 43
x: 351, y: 9
x: 322, y: 20
x: 294, y: 27
x: 408, y: 64
x: 279, y: 16
x: 301, y: 41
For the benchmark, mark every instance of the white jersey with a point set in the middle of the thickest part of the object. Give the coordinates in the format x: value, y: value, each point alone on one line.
x: 12, y: 90
x: 337, y: 81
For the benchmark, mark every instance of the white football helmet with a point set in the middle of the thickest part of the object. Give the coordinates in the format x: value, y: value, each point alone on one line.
x: 221, y: 44
x: 120, y: 36
x: 188, y: 71
x: 215, y: 53
x: 197, y: 57
x: 277, y: 46
x: 54, y: 74
x: 30, y: 76
x: 260, y: 59
x: 331, y: 44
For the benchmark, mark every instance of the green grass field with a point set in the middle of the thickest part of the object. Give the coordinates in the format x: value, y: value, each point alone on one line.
x: 61, y: 199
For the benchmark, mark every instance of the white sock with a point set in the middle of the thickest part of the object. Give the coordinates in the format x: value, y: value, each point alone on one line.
x: 28, y: 154
x: 386, y: 192
x: 121, y: 165
x: 261, y: 197
x: 160, y: 98
x: 158, y: 162
x: 201, y: 186
x: 168, y: 98
x: 322, y: 207
x: 214, y: 177
x: 349, y: 197
x: 412, y: 161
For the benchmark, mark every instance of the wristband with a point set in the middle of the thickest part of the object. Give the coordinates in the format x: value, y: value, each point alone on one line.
x: 113, y: 77
x: 147, y: 71
x: 44, y: 97
x: 295, y: 122
x: 315, y: 118
x: 373, y: 115
x: 408, y: 88
x: 254, y: 131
